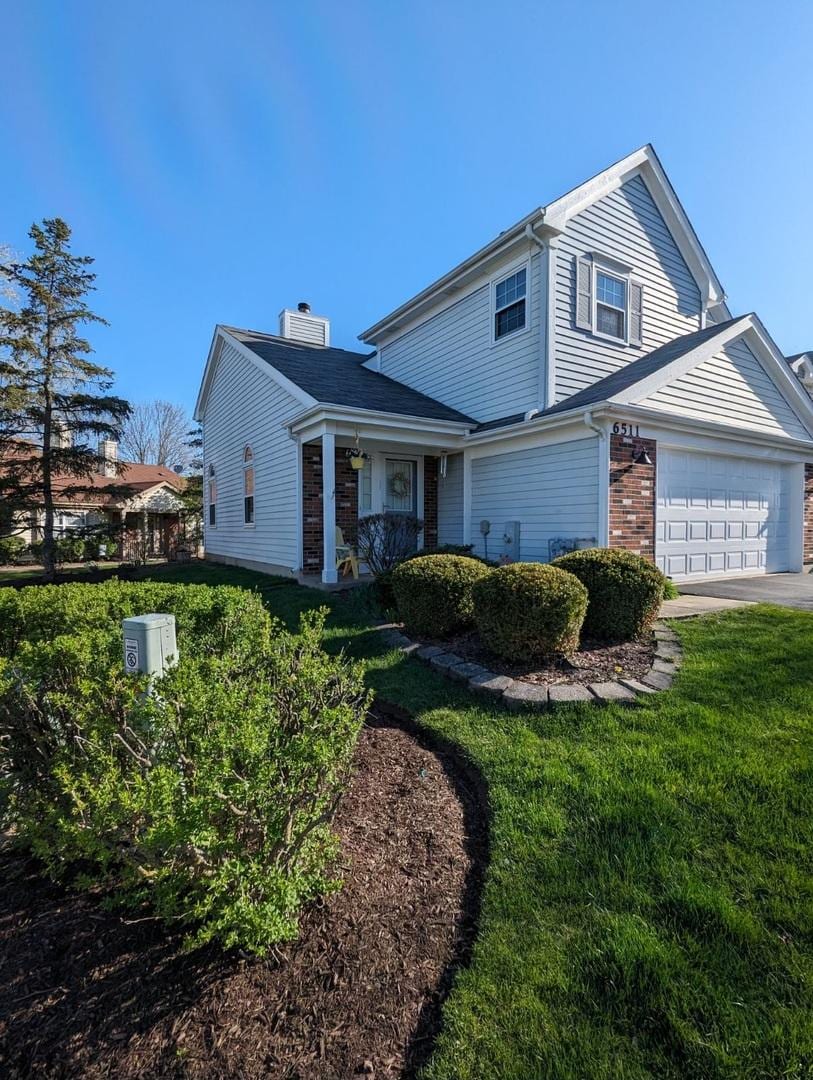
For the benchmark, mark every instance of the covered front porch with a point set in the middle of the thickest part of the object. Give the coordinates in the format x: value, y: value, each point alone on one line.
x: 403, y: 468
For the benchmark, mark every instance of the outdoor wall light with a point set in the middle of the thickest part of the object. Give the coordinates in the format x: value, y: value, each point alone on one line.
x: 641, y: 457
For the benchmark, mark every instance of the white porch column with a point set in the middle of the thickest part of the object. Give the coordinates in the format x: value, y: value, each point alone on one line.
x: 329, y: 574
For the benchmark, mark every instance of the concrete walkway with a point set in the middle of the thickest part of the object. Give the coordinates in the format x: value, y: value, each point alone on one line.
x: 687, y: 606
x: 790, y: 590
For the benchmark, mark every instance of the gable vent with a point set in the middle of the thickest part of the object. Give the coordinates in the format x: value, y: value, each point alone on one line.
x: 302, y: 325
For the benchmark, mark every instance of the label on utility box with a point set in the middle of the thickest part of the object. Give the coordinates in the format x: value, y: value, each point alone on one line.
x: 130, y: 654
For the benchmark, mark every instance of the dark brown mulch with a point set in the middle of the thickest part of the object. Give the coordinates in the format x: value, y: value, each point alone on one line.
x: 84, y: 993
x: 595, y: 661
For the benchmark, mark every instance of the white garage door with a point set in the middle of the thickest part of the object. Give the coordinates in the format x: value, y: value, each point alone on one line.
x: 721, y: 515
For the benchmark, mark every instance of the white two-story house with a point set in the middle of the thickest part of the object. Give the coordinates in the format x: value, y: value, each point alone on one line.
x: 578, y: 381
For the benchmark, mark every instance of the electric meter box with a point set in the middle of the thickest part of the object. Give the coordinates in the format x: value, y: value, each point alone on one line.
x: 149, y: 644
x: 510, y: 539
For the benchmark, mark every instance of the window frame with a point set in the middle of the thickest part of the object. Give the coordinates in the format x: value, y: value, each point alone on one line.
x: 248, y: 466
x: 618, y: 273
x: 211, y: 481
x: 504, y: 274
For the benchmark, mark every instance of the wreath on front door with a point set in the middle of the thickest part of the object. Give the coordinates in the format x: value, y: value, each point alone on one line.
x: 399, y: 485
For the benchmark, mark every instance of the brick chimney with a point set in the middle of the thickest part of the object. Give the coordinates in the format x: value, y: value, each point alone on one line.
x: 302, y: 325
x: 109, y: 450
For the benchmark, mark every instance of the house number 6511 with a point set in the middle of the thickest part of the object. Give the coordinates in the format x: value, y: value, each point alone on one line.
x: 626, y: 429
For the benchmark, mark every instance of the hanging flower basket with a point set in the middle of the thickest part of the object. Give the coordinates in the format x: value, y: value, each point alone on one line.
x: 356, y: 458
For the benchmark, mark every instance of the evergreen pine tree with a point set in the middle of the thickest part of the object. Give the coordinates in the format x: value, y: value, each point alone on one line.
x: 53, y: 397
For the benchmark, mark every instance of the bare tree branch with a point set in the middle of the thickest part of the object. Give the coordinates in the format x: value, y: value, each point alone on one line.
x: 155, y: 433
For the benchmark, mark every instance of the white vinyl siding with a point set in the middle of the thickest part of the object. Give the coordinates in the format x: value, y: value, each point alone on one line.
x: 453, y: 357
x: 731, y: 388
x: 627, y: 226
x: 450, y: 502
x: 245, y: 407
x: 551, y: 490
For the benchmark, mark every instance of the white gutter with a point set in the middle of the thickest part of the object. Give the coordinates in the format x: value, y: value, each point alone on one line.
x: 588, y: 419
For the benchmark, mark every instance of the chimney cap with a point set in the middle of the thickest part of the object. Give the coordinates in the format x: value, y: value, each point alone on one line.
x: 303, y: 306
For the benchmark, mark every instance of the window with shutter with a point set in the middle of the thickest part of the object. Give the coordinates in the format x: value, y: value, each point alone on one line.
x: 584, y: 293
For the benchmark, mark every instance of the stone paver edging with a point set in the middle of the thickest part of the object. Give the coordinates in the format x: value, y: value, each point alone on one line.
x: 516, y: 694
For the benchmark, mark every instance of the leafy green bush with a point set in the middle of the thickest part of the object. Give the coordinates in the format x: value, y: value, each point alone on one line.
x: 625, y: 591
x: 670, y: 590
x: 12, y: 549
x: 529, y: 611
x: 433, y: 593
x: 384, y: 593
x: 212, y: 797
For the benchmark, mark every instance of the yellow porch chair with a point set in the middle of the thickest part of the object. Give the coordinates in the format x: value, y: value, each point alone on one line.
x: 345, y: 555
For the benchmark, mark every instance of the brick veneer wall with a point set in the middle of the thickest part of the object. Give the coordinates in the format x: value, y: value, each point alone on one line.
x: 632, y: 496
x: 430, y: 503
x: 808, y: 527
x: 346, y: 504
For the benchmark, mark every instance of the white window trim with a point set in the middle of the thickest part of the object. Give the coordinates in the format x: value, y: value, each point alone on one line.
x: 211, y: 474
x: 614, y: 270
x: 246, y: 466
x: 508, y: 272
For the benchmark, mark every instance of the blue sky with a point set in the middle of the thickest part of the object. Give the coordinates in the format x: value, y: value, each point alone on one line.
x: 221, y: 161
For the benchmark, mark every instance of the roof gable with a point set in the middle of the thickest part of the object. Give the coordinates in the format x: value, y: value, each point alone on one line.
x: 551, y: 220
x: 319, y: 375
x: 783, y: 401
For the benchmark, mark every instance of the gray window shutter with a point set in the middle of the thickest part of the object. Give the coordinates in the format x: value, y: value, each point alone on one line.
x: 584, y: 293
x: 636, y: 312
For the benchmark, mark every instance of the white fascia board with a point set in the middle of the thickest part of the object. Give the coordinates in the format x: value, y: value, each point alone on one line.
x: 222, y: 335
x: 777, y: 368
x: 208, y: 373
x: 418, y: 425
x: 712, y: 428
x: 644, y: 162
x: 523, y: 428
x: 447, y: 288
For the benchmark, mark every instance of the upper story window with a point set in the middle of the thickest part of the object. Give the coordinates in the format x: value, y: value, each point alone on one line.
x: 248, y: 486
x: 510, y: 303
x: 212, y: 496
x: 609, y: 301
x: 611, y: 305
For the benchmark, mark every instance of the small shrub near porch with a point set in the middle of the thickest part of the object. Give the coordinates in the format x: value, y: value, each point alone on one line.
x: 211, y: 798
x: 434, y: 592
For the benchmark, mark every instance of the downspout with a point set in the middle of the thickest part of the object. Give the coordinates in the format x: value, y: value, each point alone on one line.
x: 603, y: 538
x: 542, y: 379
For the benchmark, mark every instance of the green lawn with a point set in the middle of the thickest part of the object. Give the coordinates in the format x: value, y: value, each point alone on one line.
x: 648, y: 908
x: 32, y: 573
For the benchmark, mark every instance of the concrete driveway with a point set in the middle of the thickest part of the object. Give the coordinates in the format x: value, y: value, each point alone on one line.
x: 790, y: 590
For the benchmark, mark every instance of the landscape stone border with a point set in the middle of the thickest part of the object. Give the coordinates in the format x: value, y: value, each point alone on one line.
x: 516, y: 694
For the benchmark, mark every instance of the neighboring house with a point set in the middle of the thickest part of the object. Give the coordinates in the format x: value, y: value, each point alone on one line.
x: 579, y: 380
x: 139, y: 504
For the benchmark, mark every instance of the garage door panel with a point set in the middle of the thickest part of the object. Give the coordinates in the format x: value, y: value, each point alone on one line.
x: 720, y: 515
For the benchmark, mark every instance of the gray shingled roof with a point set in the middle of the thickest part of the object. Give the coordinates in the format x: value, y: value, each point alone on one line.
x: 799, y: 355
x: 338, y: 377
x: 625, y: 377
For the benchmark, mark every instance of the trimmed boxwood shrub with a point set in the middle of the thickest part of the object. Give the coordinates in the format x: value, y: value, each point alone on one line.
x: 433, y: 593
x: 625, y: 591
x: 529, y: 611
x: 211, y: 798
x: 384, y: 594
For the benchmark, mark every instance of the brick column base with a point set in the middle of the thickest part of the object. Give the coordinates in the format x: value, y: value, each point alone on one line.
x: 632, y: 495
x: 347, y: 509
x: 430, y: 503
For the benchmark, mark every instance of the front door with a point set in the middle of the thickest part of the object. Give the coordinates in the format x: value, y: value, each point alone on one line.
x: 400, y: 487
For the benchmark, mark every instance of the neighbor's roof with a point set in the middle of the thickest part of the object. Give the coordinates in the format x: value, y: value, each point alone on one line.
x: 625, y: 377
x: 338, y: 377
x: 102, y: 490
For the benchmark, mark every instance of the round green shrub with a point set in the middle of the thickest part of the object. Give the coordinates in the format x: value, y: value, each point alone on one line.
x: 433, y: 593
x: 527, y: 611
x: 12, y: 549
x: 625, y: 591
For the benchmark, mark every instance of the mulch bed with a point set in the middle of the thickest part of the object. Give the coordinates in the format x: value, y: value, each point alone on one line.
x: 595, y: 661
x: 86, y: 993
